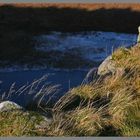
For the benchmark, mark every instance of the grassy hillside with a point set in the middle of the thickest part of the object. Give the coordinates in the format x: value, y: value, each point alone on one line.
x: 109, y: 106
x: 18, y: 123
x: 112, y: 105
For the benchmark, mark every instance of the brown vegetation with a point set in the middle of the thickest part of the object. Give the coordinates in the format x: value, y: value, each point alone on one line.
x: 110, y: 107
x: 88, y: 6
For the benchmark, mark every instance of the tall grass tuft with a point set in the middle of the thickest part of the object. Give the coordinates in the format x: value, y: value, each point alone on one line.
x: 109, y: 106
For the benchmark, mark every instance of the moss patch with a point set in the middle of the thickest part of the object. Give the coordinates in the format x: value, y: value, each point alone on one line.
x: 18, y: 123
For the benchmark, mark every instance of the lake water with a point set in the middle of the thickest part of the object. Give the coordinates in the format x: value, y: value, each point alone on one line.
x: 93, y: 46
x: 66, y: 80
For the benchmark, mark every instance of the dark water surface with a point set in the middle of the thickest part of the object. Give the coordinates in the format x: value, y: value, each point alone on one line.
x: 66, y: 80
x: 91, y: 46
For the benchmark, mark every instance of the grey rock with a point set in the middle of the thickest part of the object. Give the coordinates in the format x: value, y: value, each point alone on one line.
x: 138, y: 39
x: 107, y: 66
x: 8, y: 106
x: 106, y: 69
x: 46, y: 118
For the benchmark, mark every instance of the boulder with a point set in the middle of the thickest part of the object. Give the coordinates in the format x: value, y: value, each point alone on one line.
x: 107, y: 67
x: 8, y: 106
x: 46, y: 117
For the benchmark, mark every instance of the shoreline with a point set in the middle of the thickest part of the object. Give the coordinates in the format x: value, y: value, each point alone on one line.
x: 24, y: 68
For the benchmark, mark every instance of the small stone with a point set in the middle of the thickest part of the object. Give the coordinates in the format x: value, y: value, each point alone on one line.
x: 8, y: 106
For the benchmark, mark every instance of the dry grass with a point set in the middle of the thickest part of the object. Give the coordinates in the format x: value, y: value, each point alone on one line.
x: 88, y: 121
x: 90, y: 6
x: 113, y: 103
x: 86, y: 91
x: 37, y: 91
x: 121, y: 95
x: 19, y: 123
x: 113, y: 108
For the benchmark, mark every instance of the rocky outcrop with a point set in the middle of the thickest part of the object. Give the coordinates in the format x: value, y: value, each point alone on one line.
x: 46, y: 117
x: 107, y: 66
x: 9, y: 105
x: 106, y: 69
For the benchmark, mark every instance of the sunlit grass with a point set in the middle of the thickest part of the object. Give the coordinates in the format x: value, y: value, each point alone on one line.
x: 19, y: 123
x: 112, y: 105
